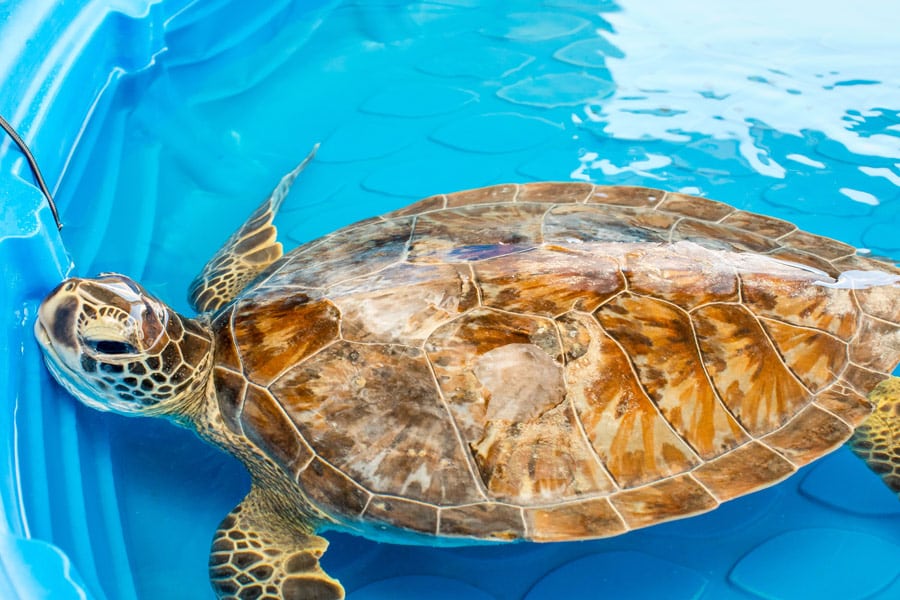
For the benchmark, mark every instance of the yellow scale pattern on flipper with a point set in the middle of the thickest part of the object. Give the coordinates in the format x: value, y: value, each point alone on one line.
x: 248, y: 251
x: 877, y: 440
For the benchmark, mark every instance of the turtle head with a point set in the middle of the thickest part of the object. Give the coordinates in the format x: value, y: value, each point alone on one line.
x: 116, y: 347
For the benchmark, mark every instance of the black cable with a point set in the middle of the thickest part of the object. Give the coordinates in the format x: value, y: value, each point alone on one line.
x: 34, y: 168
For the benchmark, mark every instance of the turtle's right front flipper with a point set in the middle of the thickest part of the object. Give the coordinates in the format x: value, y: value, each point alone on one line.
x: 877, y: 439
x: 260, y: 554
x: 246, y: 254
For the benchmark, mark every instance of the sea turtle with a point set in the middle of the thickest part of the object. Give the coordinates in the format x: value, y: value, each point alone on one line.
x: 545, y: 361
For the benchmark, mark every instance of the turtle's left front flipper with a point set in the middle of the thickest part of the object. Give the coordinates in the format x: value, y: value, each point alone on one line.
x: 877, y: 439
x: 259, y: 553
x: 247, y: 252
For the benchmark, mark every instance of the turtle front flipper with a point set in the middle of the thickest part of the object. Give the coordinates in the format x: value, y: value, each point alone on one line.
x: 247, y: 252
x: 258, y: 553
x: 877, y: 439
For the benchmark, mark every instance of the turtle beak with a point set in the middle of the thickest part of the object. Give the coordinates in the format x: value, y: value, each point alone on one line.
x: 55, y: 327
x: 40, y: 332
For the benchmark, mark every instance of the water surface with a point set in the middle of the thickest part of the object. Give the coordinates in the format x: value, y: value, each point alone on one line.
x: 788, y: 109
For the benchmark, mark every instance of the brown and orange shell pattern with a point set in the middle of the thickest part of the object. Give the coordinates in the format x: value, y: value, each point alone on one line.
x: 554, y: 361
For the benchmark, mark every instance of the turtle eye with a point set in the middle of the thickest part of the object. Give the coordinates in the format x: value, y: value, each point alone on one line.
x: 110, y: 347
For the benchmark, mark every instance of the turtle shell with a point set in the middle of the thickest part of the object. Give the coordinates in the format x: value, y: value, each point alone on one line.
x: 554, y: 361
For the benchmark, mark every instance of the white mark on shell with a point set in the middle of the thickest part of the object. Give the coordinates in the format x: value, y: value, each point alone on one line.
x: 521, y: 380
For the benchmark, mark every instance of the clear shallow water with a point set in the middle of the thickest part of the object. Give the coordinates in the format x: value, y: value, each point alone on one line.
x: 790, y: 111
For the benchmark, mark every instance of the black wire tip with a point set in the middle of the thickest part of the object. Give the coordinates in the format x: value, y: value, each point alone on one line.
x: 34, y: 168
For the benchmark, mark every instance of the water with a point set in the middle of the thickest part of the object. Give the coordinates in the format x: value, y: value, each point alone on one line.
x: 788, y: 109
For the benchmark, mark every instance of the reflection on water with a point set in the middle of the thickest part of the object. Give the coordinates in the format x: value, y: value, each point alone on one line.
x: 822, y: 71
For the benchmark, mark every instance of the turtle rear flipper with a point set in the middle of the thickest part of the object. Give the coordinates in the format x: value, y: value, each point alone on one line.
x: 877, y: 439
x: 260, y: 554
x: 247, y: 252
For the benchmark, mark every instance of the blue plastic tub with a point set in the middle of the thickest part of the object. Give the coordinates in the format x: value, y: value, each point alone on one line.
x: 160, y: 125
